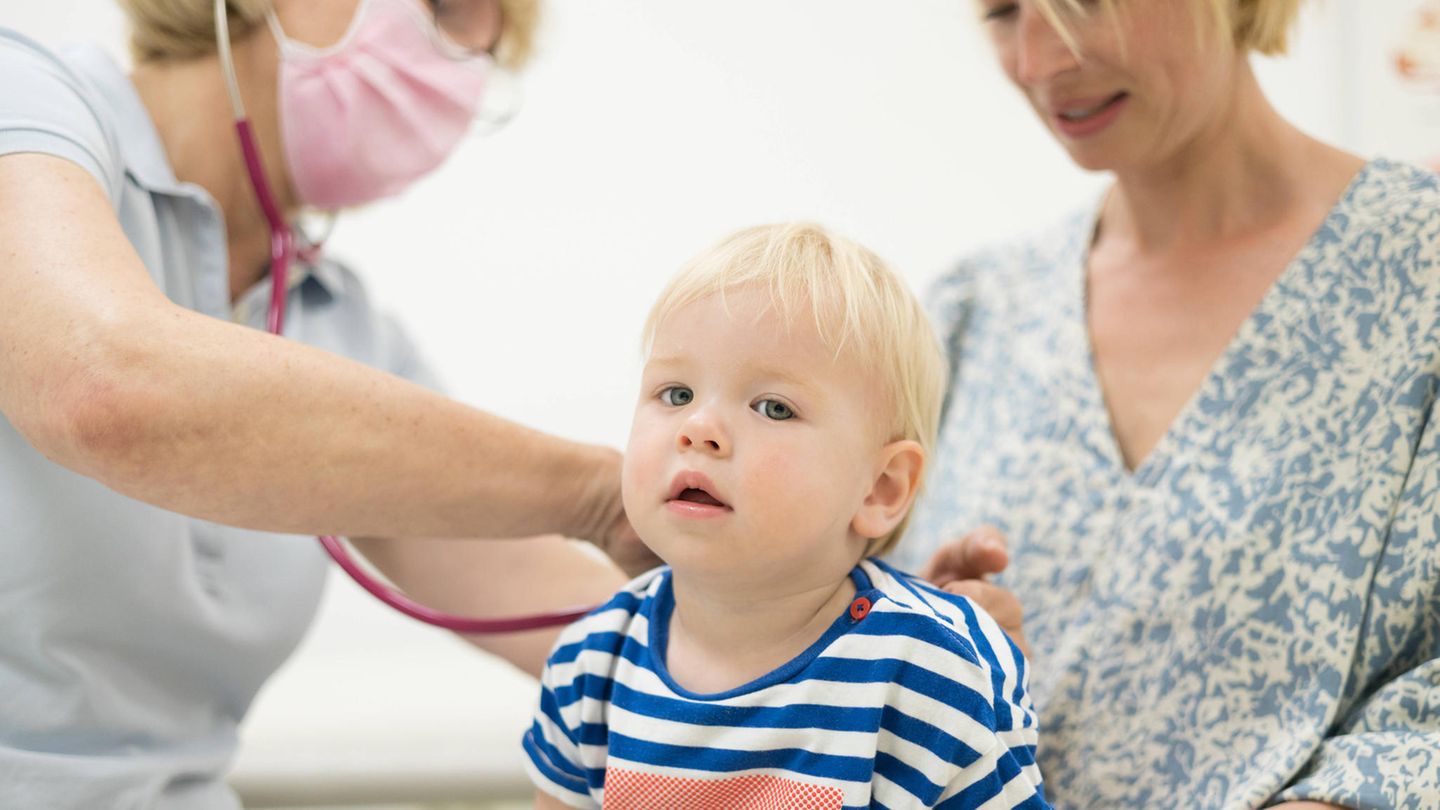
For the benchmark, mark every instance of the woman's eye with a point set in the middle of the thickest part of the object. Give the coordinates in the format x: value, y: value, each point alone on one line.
x: 774, y: 409
x: 999, y: 12
x: 677, y: 395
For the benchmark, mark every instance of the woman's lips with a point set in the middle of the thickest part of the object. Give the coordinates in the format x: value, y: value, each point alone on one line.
x: 1084, y: 117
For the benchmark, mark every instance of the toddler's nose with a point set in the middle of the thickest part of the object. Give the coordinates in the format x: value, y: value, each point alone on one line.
x: 704, y: 433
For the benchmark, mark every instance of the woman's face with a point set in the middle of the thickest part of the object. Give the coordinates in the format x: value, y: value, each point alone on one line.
x: 1145, y: 85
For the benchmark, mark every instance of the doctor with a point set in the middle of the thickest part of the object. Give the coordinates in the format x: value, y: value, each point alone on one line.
x: 145, y: 414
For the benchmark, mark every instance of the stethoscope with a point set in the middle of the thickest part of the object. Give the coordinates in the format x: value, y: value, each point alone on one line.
x: 282, y: 253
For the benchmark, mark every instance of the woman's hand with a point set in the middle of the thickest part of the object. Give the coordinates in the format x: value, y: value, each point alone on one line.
x: 961, y: 566
x: 974, y: 556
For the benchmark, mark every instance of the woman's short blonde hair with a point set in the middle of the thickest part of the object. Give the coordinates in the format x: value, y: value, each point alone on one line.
x: 857, y: 303
x: 1262, y: 26
x: 185, y: 29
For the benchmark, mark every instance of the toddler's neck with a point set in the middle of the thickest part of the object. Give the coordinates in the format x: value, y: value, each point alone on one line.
x: 721, y: 638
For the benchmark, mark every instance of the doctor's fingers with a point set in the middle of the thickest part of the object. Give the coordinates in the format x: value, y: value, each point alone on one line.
x: 627, y: 550
x: 1002, y: 605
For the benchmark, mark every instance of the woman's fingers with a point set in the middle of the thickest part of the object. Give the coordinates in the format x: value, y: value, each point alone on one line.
x: 979, y: 553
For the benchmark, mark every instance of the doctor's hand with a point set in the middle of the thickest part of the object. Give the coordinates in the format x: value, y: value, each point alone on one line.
x: 604, y: 524
x: 626, y: 549
x: 962, y: 566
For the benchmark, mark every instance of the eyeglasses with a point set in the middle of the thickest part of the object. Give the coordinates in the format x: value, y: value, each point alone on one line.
x: 473, y: 27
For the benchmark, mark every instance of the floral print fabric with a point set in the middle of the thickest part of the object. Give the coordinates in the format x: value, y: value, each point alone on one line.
x: 1254, y: 613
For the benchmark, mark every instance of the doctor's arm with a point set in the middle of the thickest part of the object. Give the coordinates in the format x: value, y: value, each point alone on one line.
x: 106, y: 376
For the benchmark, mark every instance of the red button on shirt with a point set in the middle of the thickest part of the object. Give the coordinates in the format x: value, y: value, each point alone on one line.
x: 859, y: 608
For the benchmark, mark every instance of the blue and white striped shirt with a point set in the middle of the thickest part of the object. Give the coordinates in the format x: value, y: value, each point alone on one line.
x: 922, y: 701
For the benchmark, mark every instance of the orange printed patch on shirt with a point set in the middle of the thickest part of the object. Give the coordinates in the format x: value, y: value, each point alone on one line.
x: 629, y: 790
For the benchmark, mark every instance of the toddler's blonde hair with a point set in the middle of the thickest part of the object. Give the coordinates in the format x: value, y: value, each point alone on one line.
x: 857, y: 303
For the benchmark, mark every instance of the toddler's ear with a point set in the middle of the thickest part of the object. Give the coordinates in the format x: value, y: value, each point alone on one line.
x: 897, y: 477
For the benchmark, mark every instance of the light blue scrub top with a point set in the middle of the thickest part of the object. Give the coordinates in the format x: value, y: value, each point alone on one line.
x: 133, y: 638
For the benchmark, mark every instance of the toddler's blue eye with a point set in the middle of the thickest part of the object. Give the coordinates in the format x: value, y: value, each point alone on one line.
x: 774, y: 409
x: 677, y: 395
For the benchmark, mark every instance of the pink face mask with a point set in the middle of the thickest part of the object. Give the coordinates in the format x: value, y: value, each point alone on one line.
x: 368, y: 116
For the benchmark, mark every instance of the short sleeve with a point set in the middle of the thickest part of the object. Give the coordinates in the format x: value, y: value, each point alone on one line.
x: 1004, y: 774
x: 46, y: 108
x: 552, y: 745
x: 959, y: 728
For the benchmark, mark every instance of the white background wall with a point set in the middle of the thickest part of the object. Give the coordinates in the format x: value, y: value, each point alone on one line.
x: 650, y: 128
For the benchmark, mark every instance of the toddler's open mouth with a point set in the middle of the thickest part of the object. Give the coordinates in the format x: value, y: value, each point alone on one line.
x: 694, y: 492
x: 697, y: 496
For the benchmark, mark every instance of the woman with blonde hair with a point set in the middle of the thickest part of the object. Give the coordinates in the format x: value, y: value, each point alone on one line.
x: 1199, y: 419
x: 158, y: 450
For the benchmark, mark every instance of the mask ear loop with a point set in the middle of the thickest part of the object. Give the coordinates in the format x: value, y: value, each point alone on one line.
x: 288, y: 44
x: 492, y: 117
x: 488, y: 119
x: 309, y: 247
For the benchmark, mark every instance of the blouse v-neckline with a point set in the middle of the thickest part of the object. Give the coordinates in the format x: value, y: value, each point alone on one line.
x: 1269, y: 309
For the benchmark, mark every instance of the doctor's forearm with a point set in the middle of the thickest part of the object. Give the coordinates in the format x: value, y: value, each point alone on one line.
x: 228, y: 424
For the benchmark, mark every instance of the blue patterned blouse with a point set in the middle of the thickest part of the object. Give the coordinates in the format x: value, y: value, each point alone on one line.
x: 1254, y: 613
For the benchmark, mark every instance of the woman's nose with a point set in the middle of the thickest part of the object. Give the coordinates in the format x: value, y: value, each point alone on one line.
x: 1041, y: 53
x: 702, y: 432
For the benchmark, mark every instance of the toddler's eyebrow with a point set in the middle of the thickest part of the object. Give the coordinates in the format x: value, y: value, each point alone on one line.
x: 767, y: 373
x: 784, y: 376
x: 663, y: 362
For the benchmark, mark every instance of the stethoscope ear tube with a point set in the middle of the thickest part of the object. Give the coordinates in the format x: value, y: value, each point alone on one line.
x: 282, y: 251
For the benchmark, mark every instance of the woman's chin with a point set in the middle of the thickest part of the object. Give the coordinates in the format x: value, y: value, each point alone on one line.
x: 1091, y: 158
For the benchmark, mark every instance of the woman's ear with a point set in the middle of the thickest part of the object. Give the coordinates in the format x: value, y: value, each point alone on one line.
x: 897, y: 478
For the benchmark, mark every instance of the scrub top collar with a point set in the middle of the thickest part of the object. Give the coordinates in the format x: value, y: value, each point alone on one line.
x: 144, y: 153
